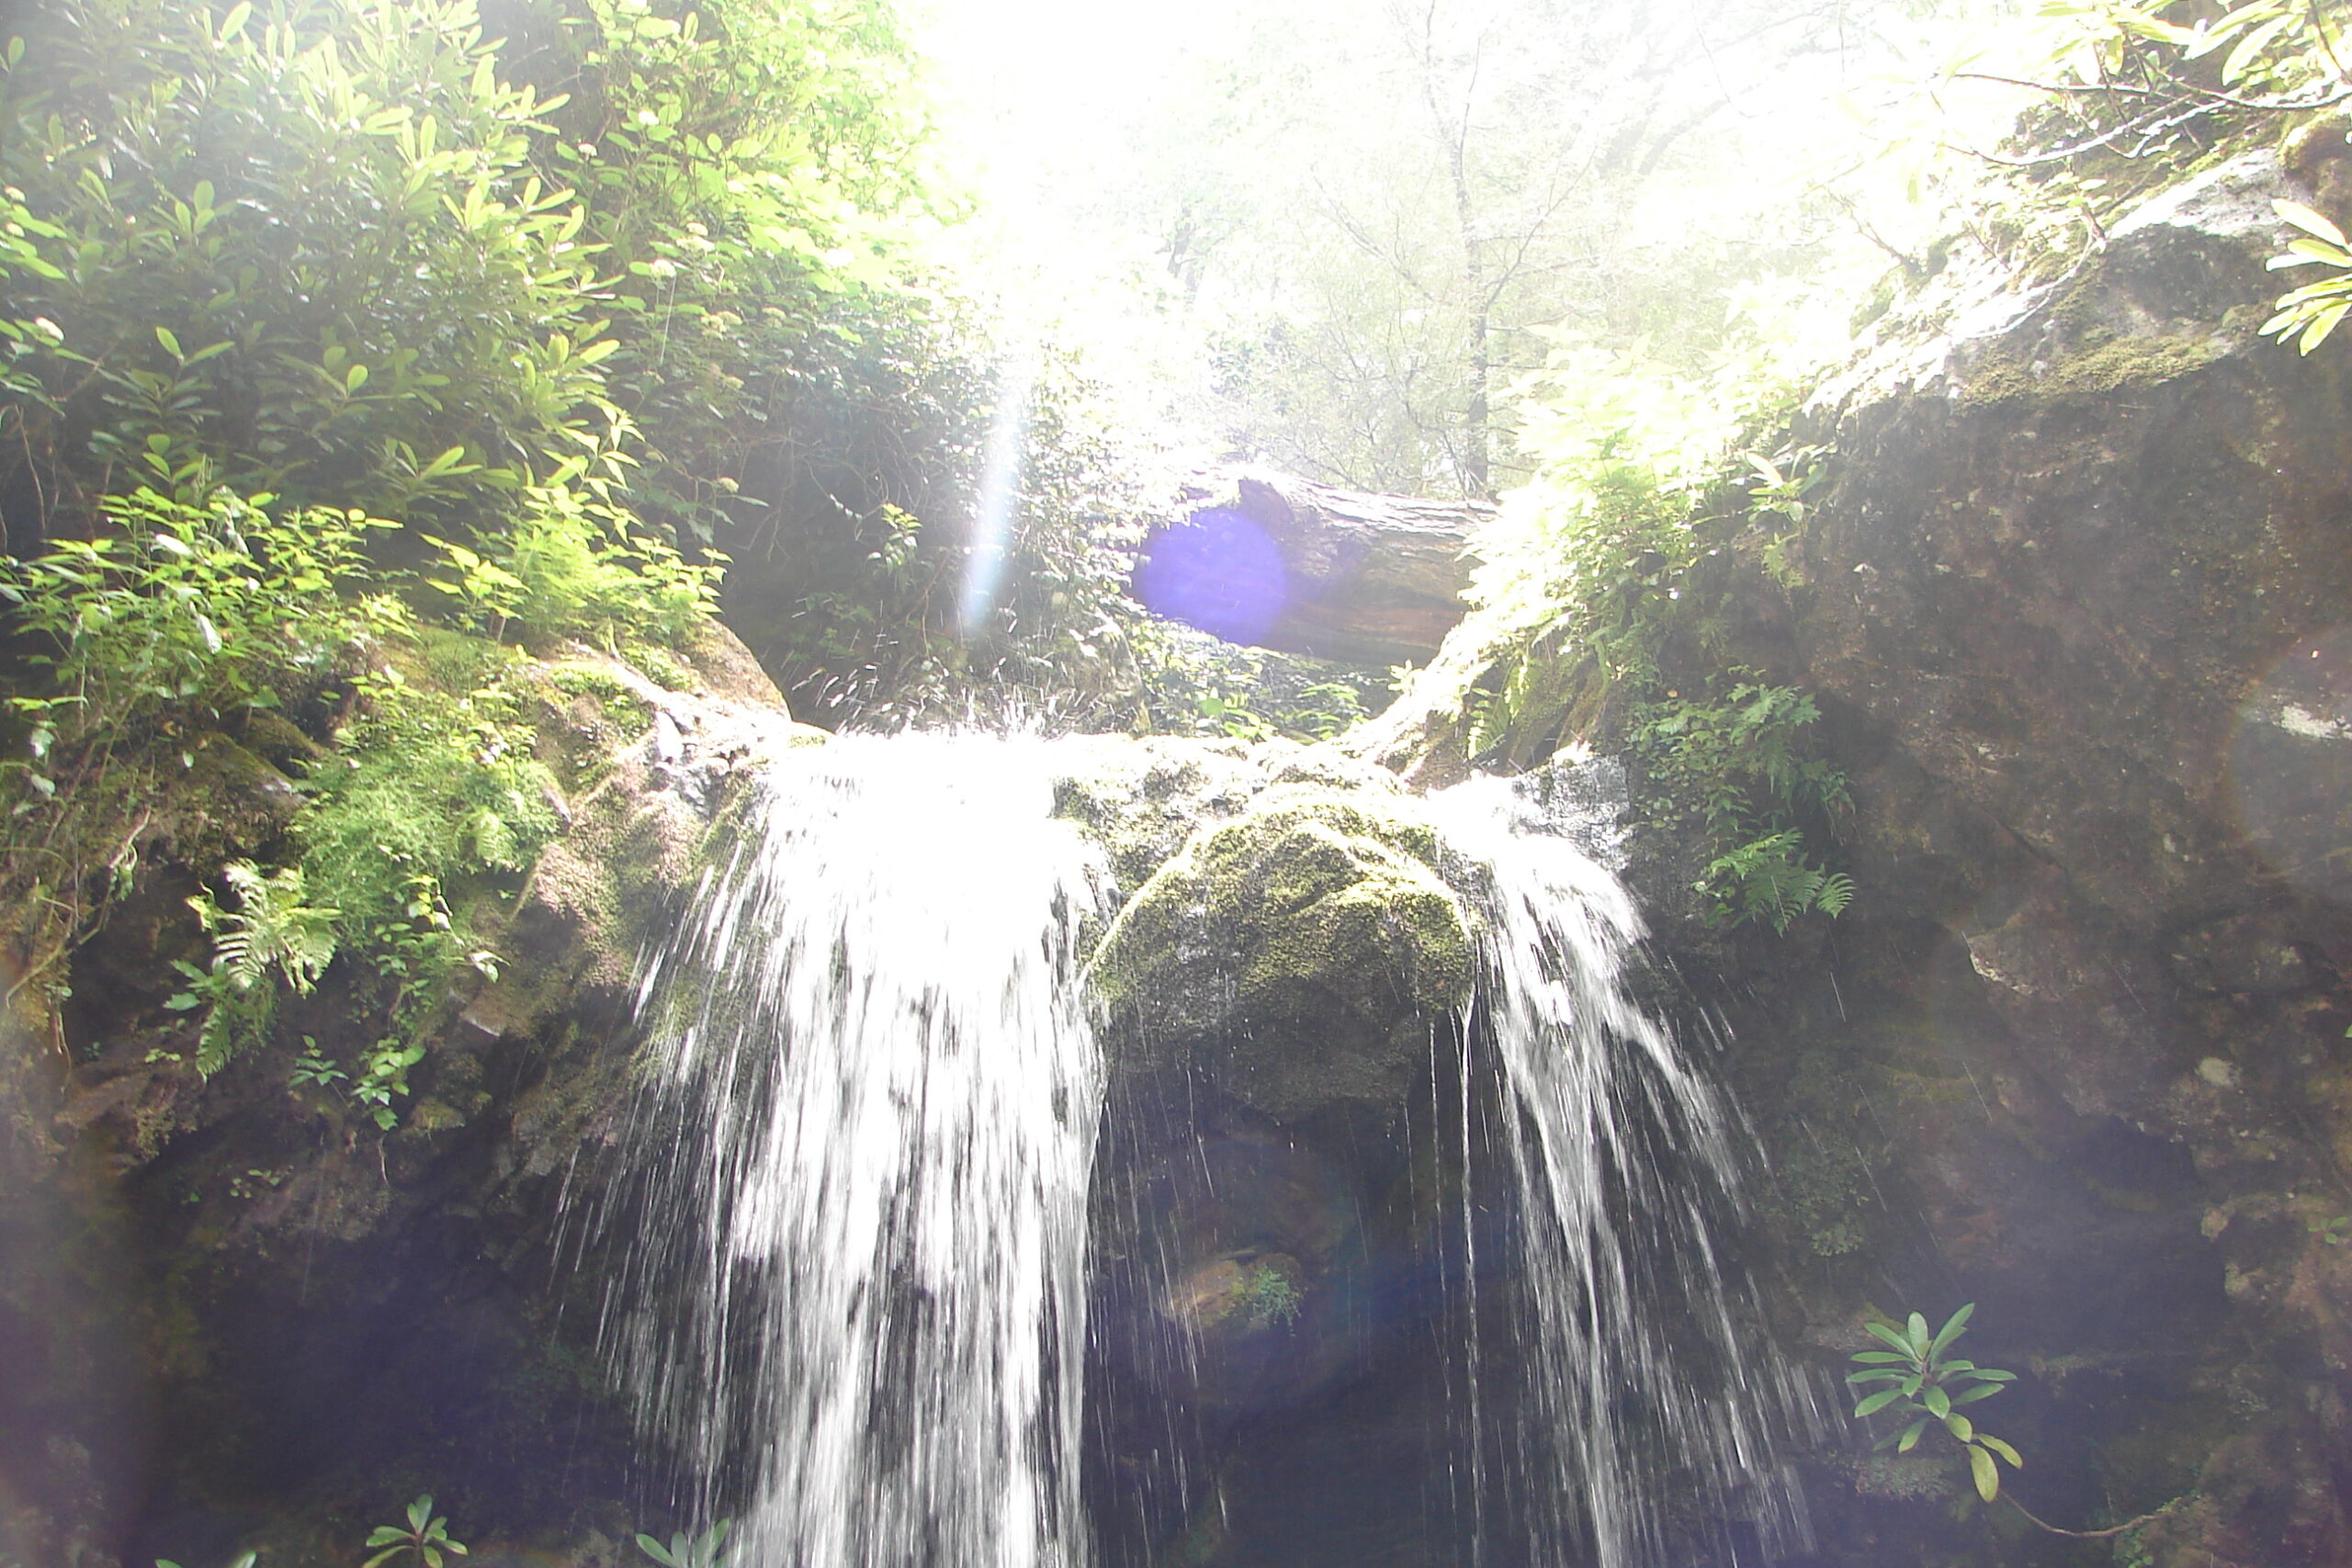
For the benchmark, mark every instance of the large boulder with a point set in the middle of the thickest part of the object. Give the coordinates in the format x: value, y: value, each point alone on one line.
x: 1300, y: 955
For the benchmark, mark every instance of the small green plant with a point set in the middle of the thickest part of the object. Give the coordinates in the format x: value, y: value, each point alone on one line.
x: 705, y: 1550
x: 313, y: 1069
x: 1927, y: 1384
x: 1235, y: 721
x: 2334, y: 1231
x: 1266, y: 1297
x: 1739, y: 766
x: 425, y: 1538
x: 272, y: 933
x: 383, y: 1077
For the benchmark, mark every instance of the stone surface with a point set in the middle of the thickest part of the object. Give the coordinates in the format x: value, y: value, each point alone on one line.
x: 1300, y: 954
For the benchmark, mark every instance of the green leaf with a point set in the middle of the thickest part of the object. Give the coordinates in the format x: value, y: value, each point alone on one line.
x: 1876, y: 1355
x: 1910, y: 1439
x: 1959, y: 1426
x: 2002, y: 1448
x: 2310, y: 221
x: 170, y: 340
x: 1914, y: 1333
x: 234, y: 22
x: 1954, y: 1327
x: 1893, y: 1337
x: 1877, y: 1402
x: 385, y: 1535
x: 1938, y: 1402
x: 1982, y: 1391
x: 1988, y: 1478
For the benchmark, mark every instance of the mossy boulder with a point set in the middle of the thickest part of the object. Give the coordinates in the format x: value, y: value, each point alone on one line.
x: 1299, y: 954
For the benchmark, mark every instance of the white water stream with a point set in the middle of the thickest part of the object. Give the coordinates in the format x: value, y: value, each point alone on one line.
x: 862, y: 1163
x: 1650, y: 1386
x: 869, y: 1130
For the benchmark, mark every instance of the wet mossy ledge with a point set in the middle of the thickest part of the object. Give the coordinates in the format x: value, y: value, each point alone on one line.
x: 1298, y: 956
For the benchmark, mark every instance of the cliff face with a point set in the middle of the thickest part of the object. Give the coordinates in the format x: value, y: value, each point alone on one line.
x: 2078, y: 612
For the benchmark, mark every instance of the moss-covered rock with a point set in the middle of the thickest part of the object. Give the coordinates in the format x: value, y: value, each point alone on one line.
x: 1299, y: 954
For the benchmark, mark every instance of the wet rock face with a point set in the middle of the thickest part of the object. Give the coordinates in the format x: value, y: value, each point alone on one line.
x: 236, y: 1312
x: 2077, y: 610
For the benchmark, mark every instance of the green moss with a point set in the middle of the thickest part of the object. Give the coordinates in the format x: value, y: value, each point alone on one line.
x: 1301, y: 952
x: 2100, y: 369
x: 1303, y: 885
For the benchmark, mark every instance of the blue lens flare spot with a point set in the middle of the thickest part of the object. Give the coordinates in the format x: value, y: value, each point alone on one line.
x: 1216, y: 570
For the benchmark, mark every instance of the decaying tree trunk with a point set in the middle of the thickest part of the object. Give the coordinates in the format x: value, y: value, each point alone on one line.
x: 1371, y: 580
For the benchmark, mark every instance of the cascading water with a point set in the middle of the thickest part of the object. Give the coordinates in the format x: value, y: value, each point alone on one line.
x: 857, y: 1281
x: 857, y: 1278
x: 1644, y: 1376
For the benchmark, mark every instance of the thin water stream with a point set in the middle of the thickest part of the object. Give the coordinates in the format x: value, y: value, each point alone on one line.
x: 855, y: 1302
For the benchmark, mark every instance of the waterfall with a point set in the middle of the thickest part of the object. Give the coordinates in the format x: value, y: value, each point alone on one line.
x: 857, y: 1278
x: 1641, y: 1358
x: 856, y: 1209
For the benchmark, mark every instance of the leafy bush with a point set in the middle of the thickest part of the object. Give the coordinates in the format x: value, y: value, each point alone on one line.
x: 570, y: 566
x: 189, y: 610
x: 305, y: 242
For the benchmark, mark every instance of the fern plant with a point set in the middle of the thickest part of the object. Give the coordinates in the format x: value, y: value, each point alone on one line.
x: 272, y: 934
x: 1739, y: 768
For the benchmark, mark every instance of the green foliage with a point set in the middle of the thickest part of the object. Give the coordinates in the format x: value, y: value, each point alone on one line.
x: 2146, y: 81
x: 190, y: 610
x: 567, y: 564
x: 2307, y: 315
x: 246, y: 1559
x: 311, y: 247
x: 1926, y: 1386
x: 705, y: 1550
x: 383, y: 1078
x: 312, y: 1069
x: 427, y: 789
x: 1738, y: 768
x: 424, y: 1540
x: 272, y: 935
x: 1266, y: 1297
x: 1187, y: 682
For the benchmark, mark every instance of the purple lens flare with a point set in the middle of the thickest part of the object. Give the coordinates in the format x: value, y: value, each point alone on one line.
x: 1216, y: 570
